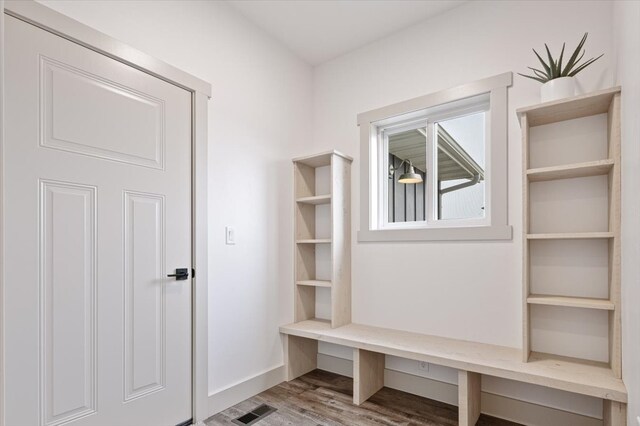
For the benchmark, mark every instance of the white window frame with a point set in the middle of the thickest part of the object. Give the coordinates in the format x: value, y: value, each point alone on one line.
x: 377, y: 125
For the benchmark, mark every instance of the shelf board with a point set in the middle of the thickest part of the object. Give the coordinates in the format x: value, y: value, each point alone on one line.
x: 570, y: 108
x: 571, y: 302
x: 315, y: 283
x: 561, y: 360
x: 315, y: 200
x: 570, y: 236
x: 592, y: 168
x: 315, y: 241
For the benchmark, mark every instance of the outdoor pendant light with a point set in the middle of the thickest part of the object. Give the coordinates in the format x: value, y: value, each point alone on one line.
x: 410, y: 177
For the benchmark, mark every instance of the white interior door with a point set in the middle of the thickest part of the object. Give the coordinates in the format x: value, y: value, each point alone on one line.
x: 97, y: 212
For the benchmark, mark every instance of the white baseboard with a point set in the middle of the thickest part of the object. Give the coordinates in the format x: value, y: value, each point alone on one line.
x: 499, y: 406
x: 234, y: 394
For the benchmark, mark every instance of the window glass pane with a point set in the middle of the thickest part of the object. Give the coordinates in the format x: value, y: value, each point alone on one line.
x: 406, y: 192
x: 461, y: 167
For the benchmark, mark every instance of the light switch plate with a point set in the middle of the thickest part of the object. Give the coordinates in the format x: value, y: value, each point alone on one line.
x: 230, y: 235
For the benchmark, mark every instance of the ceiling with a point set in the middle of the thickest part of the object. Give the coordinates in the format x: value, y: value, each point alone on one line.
x: 320, y: 30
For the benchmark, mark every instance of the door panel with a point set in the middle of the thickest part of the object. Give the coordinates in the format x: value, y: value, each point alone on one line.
x: 68, y: 304
x: 144, y: 319
x: 87, y: 114
x: 97, y: 163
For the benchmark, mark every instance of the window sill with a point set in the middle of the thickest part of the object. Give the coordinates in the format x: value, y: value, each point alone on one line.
x: 475, y: 233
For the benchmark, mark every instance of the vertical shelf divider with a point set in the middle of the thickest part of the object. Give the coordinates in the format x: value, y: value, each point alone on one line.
x: 614, y: 140
x: 526, y: 291
x: 340, y: 241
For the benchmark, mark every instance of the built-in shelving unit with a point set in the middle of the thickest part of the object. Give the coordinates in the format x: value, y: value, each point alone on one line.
x: 311, y: 238
x: 547, y: 163
x: 571, y: 265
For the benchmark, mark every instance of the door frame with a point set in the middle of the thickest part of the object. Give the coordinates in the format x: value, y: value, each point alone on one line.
x: 65, y: 27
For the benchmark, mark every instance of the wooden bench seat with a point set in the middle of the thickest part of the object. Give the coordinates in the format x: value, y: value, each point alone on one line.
x: 471, y: 359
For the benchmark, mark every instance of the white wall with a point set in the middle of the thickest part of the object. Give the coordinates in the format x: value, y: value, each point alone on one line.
x: 627, y: 41
x: 259, y: 118
x: 469, y: 291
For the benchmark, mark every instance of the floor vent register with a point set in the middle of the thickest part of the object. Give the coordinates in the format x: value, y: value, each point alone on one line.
x: 255, y: 415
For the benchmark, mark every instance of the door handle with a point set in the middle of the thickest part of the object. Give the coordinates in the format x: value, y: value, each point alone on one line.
x: 181, y: 274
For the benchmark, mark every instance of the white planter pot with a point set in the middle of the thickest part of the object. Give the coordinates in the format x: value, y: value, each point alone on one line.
x: 558, y: 88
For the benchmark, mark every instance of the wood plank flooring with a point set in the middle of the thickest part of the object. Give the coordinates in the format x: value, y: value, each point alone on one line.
x: 323, y: 398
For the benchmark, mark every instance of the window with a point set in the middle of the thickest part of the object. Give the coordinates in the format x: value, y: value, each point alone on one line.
x: 436, y: 166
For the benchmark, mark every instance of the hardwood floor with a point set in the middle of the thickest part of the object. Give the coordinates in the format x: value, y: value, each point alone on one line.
x: 322, y: 398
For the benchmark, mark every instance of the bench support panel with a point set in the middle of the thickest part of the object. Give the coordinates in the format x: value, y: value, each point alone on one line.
x: 301, y: 356
x: 368, y: 374
x: 469, y: 385
x: 614, y: 413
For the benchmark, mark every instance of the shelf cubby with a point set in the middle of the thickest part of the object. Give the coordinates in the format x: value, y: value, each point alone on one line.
x: 577, y: 205
x: 569, y: 331
x: 322, y: 200
x: 569, y: 268
x: 571, y: 229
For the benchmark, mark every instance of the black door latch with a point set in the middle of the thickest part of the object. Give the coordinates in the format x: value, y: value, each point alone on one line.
x: 181, y: 274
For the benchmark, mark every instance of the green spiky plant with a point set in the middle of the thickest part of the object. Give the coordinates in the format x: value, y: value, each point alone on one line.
x: 554, y: 69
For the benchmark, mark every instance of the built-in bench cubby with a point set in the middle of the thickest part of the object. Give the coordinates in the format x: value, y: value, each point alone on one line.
x: 472, y: 360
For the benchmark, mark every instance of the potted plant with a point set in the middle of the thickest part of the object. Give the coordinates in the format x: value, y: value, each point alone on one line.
x: 558, y: 79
